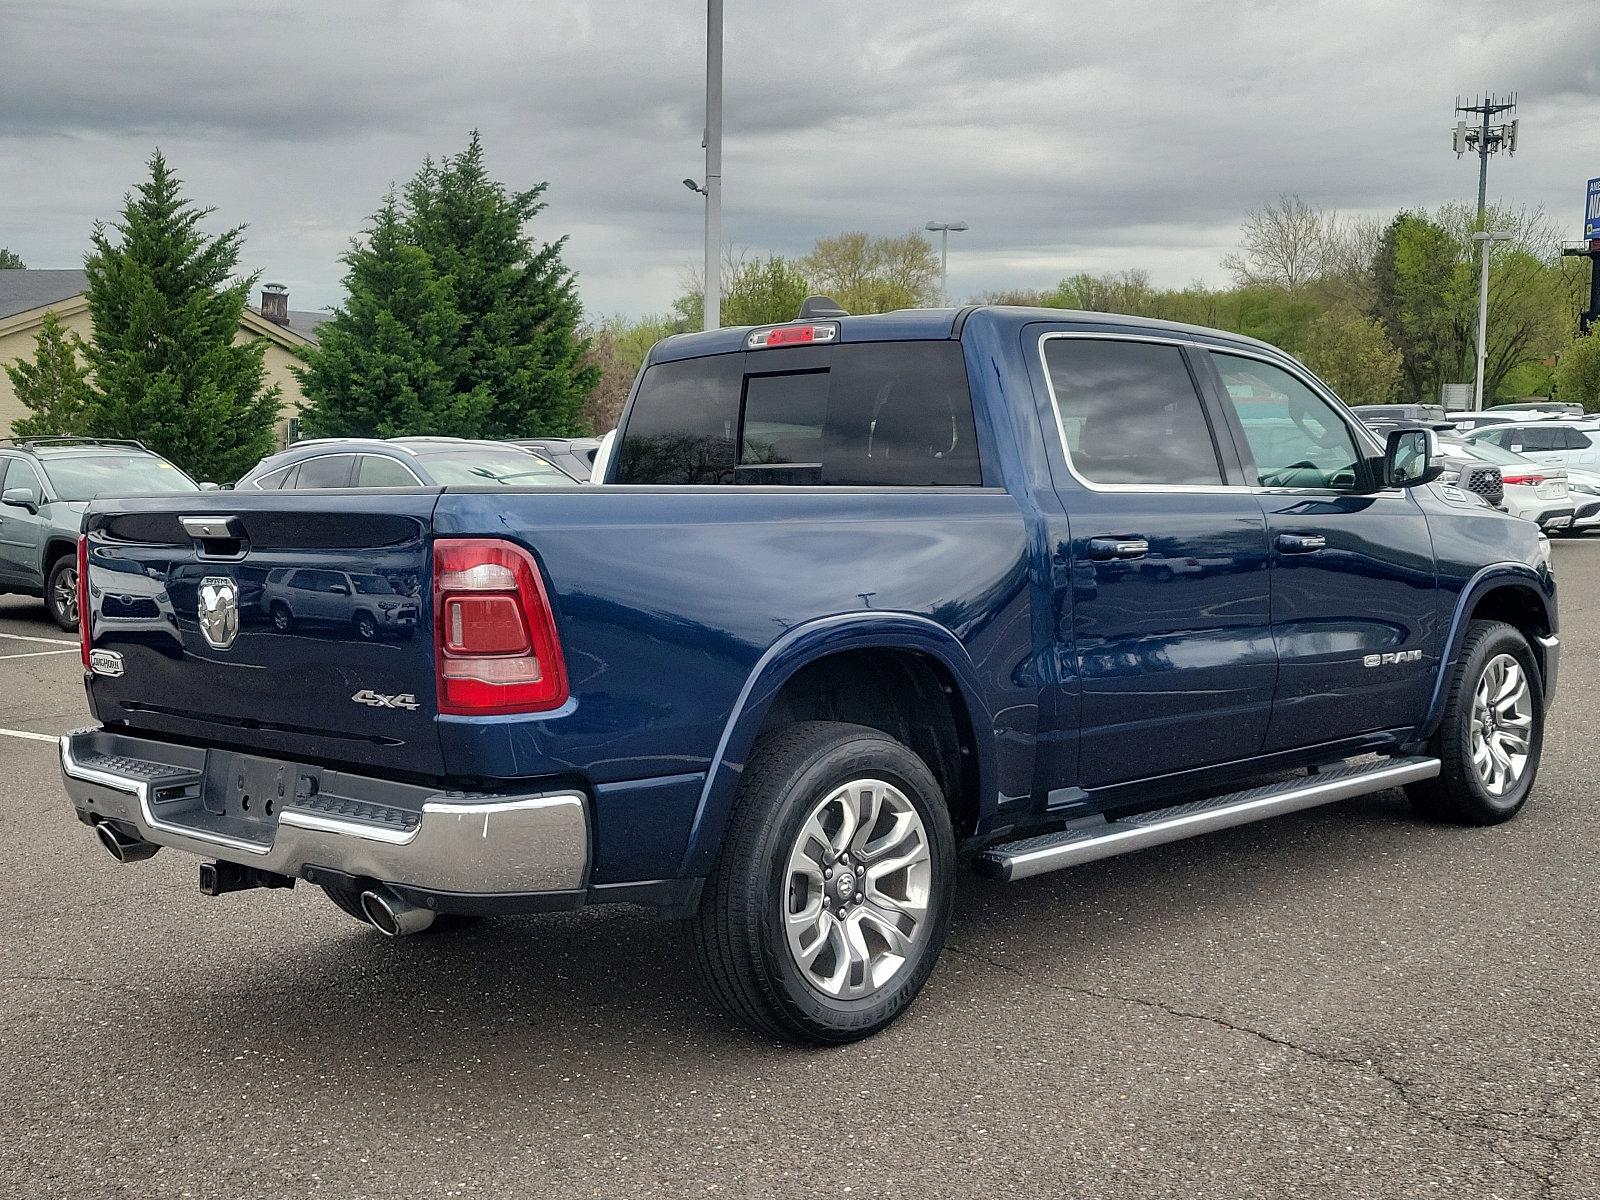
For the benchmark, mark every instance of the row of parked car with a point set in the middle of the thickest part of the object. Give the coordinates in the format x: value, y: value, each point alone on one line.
x: 46, y: 483
x: 1539, y: 460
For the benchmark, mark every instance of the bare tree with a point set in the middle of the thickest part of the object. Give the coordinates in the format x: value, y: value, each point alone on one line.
x: 1285, y: 243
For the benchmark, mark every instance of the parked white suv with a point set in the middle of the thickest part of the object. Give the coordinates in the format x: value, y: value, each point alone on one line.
x: 1533, y: 490
x: 1558, y: 443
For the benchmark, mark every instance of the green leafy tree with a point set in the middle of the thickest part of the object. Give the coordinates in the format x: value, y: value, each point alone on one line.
x: 1578, y: 373
x: 1353, y: 355
x: 10, y: 261
x: 869, y: 274
x: 53, y: 386
x: 517, y: 300
x: 1418, y: 285
x: 389, y: 361
x: 754, y: 292
x: 164, y: 357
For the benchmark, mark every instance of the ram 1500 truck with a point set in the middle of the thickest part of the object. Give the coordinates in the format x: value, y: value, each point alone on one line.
x: 860, y: 599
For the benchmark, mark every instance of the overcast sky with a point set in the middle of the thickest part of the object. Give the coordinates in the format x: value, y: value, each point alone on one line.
x: 1072, y: 136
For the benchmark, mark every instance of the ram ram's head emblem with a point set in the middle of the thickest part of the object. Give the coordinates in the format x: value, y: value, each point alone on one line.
x: 219, y: 611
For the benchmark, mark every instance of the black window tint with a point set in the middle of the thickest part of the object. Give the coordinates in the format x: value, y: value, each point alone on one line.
x: 4, y: 462
x: 783, y: 418
x: 1536, y: 438
x: 900, y: 415
x: 378, y: 471
x: 683, y: 423
x: 1130, y: 413
x: 1577, y: 440
x: 329, y: 471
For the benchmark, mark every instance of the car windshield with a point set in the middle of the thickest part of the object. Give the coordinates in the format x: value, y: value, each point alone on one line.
x: 90, y: 475
x: 482, y: 467
x: 1490, y: 453
x: 372, y: 585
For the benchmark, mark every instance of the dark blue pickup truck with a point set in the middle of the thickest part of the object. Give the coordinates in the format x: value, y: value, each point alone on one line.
x: 861, y: 599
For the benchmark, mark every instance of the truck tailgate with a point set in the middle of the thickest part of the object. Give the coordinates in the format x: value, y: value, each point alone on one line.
x: 297, y: 623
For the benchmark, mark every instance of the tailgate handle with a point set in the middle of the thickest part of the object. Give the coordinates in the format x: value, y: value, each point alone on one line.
x: 212, y: 528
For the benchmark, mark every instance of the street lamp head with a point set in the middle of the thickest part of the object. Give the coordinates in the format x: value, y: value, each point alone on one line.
x: 1493, y: 235
x: 694, y: 187
x: 958, y: 227
x: 945, y: 226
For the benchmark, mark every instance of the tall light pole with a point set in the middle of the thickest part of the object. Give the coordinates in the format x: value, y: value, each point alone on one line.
x: 713, y: 188
x: 945, y: 229
x: 1485, y: 240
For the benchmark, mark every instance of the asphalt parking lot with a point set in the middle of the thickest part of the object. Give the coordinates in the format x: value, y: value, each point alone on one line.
x: 1346, y: 1002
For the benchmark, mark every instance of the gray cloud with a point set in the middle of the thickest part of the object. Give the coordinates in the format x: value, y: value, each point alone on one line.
x: 1071, y: 135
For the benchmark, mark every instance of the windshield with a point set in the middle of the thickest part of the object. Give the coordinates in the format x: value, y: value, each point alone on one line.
x: 372, y: 585
x: 115, y: 475
x: 482, y: 467
x: 1490, y: 453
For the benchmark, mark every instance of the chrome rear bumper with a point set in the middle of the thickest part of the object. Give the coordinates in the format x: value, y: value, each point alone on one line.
x: 377, y: 829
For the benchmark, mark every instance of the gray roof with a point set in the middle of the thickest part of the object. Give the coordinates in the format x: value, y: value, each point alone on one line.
x: 302, y: 322
x: 24, y: 288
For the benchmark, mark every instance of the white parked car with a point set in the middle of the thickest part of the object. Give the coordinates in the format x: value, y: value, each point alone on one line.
x: 1557, y: 443
x: 1533, y: 490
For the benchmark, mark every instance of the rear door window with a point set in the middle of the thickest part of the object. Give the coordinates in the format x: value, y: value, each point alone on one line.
x: 880, y: 414
x: 377, y: 470
x: 328, y: 471
x: 1130, y: 413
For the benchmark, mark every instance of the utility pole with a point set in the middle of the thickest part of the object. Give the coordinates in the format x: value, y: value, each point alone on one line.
x: 1485, y: 240
x: 713, y: 187
x: 1483, y: 139
x: 945, y: 229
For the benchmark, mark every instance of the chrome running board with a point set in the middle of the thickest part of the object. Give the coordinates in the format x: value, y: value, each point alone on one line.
x: 1086, y: 843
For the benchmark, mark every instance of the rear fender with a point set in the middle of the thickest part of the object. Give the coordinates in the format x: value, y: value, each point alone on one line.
x: 805, y: 644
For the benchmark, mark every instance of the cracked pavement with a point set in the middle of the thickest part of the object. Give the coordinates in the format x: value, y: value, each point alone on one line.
x: 1347, y: 1002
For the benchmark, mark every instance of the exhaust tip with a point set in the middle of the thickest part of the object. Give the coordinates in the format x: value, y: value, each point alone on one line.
x: 120, y: 846
x: 393, y: 917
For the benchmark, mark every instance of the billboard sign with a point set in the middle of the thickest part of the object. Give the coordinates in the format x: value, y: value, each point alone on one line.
x: 1591, y: 212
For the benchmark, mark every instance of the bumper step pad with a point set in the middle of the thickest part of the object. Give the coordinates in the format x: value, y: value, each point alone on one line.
x: 1086, y: 843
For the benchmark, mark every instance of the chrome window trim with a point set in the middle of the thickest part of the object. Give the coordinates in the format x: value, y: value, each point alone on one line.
x: 1341, y: 410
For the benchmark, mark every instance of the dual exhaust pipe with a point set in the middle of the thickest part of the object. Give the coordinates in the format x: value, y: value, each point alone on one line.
x: 384, y: 911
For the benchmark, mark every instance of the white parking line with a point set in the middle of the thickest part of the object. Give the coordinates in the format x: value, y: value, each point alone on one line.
x: 36, y: 654
x: 23, y: 637
x: 32, y: 737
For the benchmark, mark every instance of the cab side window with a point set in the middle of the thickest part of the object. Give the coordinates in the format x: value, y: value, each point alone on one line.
x: 1130, y: 413
x: 1296, y: 438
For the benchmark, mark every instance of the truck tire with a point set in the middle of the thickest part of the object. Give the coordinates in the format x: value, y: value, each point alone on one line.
x: 1490, y: 738
x: 831, y: 898
x: 61, y: 592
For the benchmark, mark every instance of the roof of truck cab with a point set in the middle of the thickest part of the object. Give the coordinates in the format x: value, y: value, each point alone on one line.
x: 932, y: 324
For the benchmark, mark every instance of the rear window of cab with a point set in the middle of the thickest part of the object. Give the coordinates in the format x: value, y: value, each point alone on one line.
x: 895, y: 414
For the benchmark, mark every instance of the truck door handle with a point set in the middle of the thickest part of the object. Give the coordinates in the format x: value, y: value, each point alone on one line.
x: 1104, y: 549
x: 1301, y: 543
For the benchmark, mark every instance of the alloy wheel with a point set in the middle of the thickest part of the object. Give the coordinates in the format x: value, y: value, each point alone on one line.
x: 857, y: 889
x: 1502, y: 724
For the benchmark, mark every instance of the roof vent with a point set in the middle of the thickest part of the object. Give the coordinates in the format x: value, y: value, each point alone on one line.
x: 816, y: 307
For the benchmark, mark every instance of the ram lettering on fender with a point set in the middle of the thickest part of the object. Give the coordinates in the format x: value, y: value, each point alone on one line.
x: 372, y: 699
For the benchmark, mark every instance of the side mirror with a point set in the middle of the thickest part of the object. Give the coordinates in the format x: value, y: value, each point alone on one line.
x: 20, y: 497
x: 1410, y: 458
x: 210, y: 487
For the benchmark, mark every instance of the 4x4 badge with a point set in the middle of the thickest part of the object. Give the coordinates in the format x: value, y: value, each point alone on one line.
x: 374, y: 699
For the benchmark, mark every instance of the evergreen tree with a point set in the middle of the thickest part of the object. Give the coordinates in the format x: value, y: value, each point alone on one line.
x: 54, y: 386
x: 388, y: 362
x: 166, y: 309
x: 457, y: 323
x: 10, y: 261
x: 518, y: 301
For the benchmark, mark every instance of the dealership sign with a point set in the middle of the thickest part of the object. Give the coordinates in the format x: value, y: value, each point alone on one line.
x: 1591, y: 212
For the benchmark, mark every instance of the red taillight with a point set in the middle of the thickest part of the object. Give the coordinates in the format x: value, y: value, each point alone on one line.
x: 83, y: 599
x: 495, y: 634
x: 1522, y: 479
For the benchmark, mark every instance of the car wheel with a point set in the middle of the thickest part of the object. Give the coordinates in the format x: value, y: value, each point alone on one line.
x: 61, y: 592
x: 1492, y: 733
x: 366, y: 627
x: 829, y: 905
x: 282, y: 618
